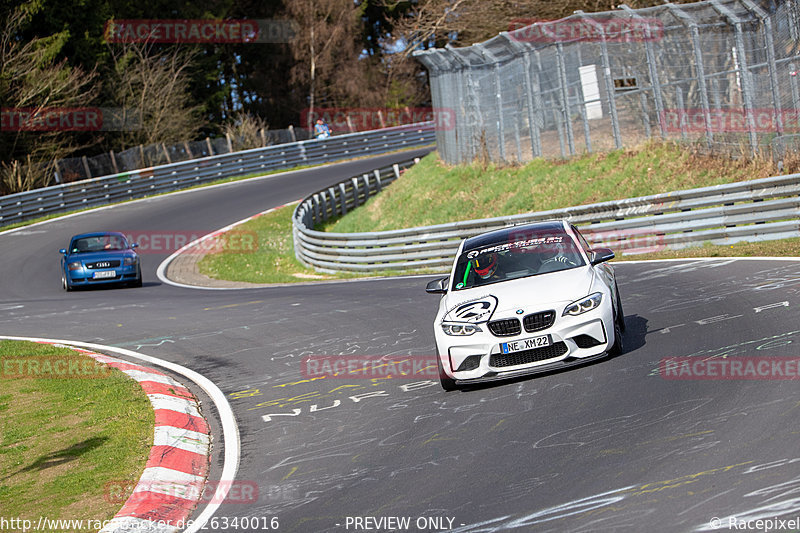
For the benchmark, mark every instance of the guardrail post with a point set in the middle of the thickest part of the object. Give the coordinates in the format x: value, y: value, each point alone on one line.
x: 356, y: 192
x: 113, y: 161
x: 367, y: 193
x: 378, y: 181
x: 343, y: 196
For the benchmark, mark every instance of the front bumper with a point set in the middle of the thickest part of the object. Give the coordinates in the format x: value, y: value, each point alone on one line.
x: 84, y: 277
x: 574, y: 340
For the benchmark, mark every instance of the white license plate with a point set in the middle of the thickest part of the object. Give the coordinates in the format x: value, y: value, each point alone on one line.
x: 105, y: 274
x: 525, y: 344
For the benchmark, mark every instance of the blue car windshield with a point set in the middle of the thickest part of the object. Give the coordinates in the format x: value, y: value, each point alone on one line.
x: 98, y: 243
x: 528, y: 255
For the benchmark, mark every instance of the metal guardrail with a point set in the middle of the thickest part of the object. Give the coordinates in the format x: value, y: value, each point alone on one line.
x: 761, y: 209
x: 166, y: 178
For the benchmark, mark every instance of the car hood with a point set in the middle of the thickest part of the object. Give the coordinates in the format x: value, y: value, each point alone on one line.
x: 91, y: 257
x: 531, y: 293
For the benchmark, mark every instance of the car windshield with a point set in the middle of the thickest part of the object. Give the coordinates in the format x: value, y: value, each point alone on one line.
x: 98, y: 243
x: 523, y: 254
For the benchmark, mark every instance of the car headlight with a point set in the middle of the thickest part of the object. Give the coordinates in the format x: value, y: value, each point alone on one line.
x: 74, y: 266
x: 460, y: 329
x: 128, y: 261
x: 584, y: 304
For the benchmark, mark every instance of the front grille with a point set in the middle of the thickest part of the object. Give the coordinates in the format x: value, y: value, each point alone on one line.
x: 470, y: 363
x: 528, y: 356
x: 505, y: 327
x: 539, y: 321
x: 586, y: 341
x: 103, y: 264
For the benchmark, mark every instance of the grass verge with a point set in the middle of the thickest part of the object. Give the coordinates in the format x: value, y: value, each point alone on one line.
x: 272, y: 259
x: 434, y: 193
x: 64, y: 439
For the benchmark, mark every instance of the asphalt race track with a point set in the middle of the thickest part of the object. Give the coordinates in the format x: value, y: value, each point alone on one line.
x: 614, y: 446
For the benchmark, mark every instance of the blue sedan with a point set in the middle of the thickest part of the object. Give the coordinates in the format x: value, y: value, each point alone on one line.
x: 100, y: 259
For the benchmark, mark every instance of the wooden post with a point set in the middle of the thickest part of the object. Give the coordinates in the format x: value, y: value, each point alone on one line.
x: 188, y: 150
x: 113, y: 161
x: 210, y: 148
x: 166, y: 153
x: 86, y: 166
x: 291, y: 132
x: 263, y: 138
x: 142, y: 162
x: 230, y: 144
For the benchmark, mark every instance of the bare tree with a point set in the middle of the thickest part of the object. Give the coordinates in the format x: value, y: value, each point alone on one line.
x: 32, y: 81
x: 153, y: 86
x: 246, y: 131
x: 324, y: 47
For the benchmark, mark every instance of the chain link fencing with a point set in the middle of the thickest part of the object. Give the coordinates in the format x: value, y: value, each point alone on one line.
x: 80, y: 168
x: 721, y: 73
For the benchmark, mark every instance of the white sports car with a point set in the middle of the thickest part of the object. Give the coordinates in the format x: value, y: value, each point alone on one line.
x: 522, y: 300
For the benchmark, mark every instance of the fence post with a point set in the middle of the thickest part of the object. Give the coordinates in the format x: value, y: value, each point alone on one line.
x: 609, y: 84
x: 645, y: 113
x: 57, y: 173
x: 653, y: 70
x: 562, y: 78
x: 166, y: 152
x: 793, y: 75
x: 86, y: 166
x: 113, y: 161
x: 291, y: 132
x: 142, y: 162
x: 210, y: 148
x: 378, y: 180
x: 188, y: 150
x: 744, y: 71
x: 230, y: 143
x: 681, y: 114
x: 766, y: 29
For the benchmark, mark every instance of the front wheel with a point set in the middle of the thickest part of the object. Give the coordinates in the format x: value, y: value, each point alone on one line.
x: 65, y: 284
x: 448, y: 383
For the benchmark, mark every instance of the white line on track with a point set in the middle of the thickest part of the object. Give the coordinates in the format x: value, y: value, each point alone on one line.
x: 230, y: 430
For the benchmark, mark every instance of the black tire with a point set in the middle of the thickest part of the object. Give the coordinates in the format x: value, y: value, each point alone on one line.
x: 448, y: 383
x: 618, y: 347
x: 138, y: 282
x: 65, y: 284
x: 620, y: 312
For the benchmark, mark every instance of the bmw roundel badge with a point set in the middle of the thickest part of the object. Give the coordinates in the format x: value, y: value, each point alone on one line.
x: 520, y: 311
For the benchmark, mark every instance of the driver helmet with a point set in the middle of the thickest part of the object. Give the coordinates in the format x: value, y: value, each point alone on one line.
x: 485, y: 265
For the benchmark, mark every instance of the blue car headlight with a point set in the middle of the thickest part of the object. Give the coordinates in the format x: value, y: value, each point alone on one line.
x: 460, y: 329
x: 74, y: 265
x: 584, y: 305
x: 128, y: 261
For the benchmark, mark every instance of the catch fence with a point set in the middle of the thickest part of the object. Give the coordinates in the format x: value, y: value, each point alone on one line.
x: 723, y: 73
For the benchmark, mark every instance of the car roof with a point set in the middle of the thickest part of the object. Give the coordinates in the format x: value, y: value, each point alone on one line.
x: 501, y: 236
x: 97, y: 234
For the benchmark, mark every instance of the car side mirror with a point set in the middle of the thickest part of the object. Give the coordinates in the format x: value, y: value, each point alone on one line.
x: 134, y: 245
x: 63, y: 251
x: 601, y: 255
x: 437, y: 286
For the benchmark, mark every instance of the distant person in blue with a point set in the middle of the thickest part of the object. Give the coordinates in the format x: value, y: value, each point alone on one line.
x: 321, y: 130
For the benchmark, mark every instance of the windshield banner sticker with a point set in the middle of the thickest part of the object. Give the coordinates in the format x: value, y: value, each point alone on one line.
x: 516, y: 245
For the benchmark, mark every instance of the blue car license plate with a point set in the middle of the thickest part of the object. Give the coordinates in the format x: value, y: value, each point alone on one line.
x: 526, y: 344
